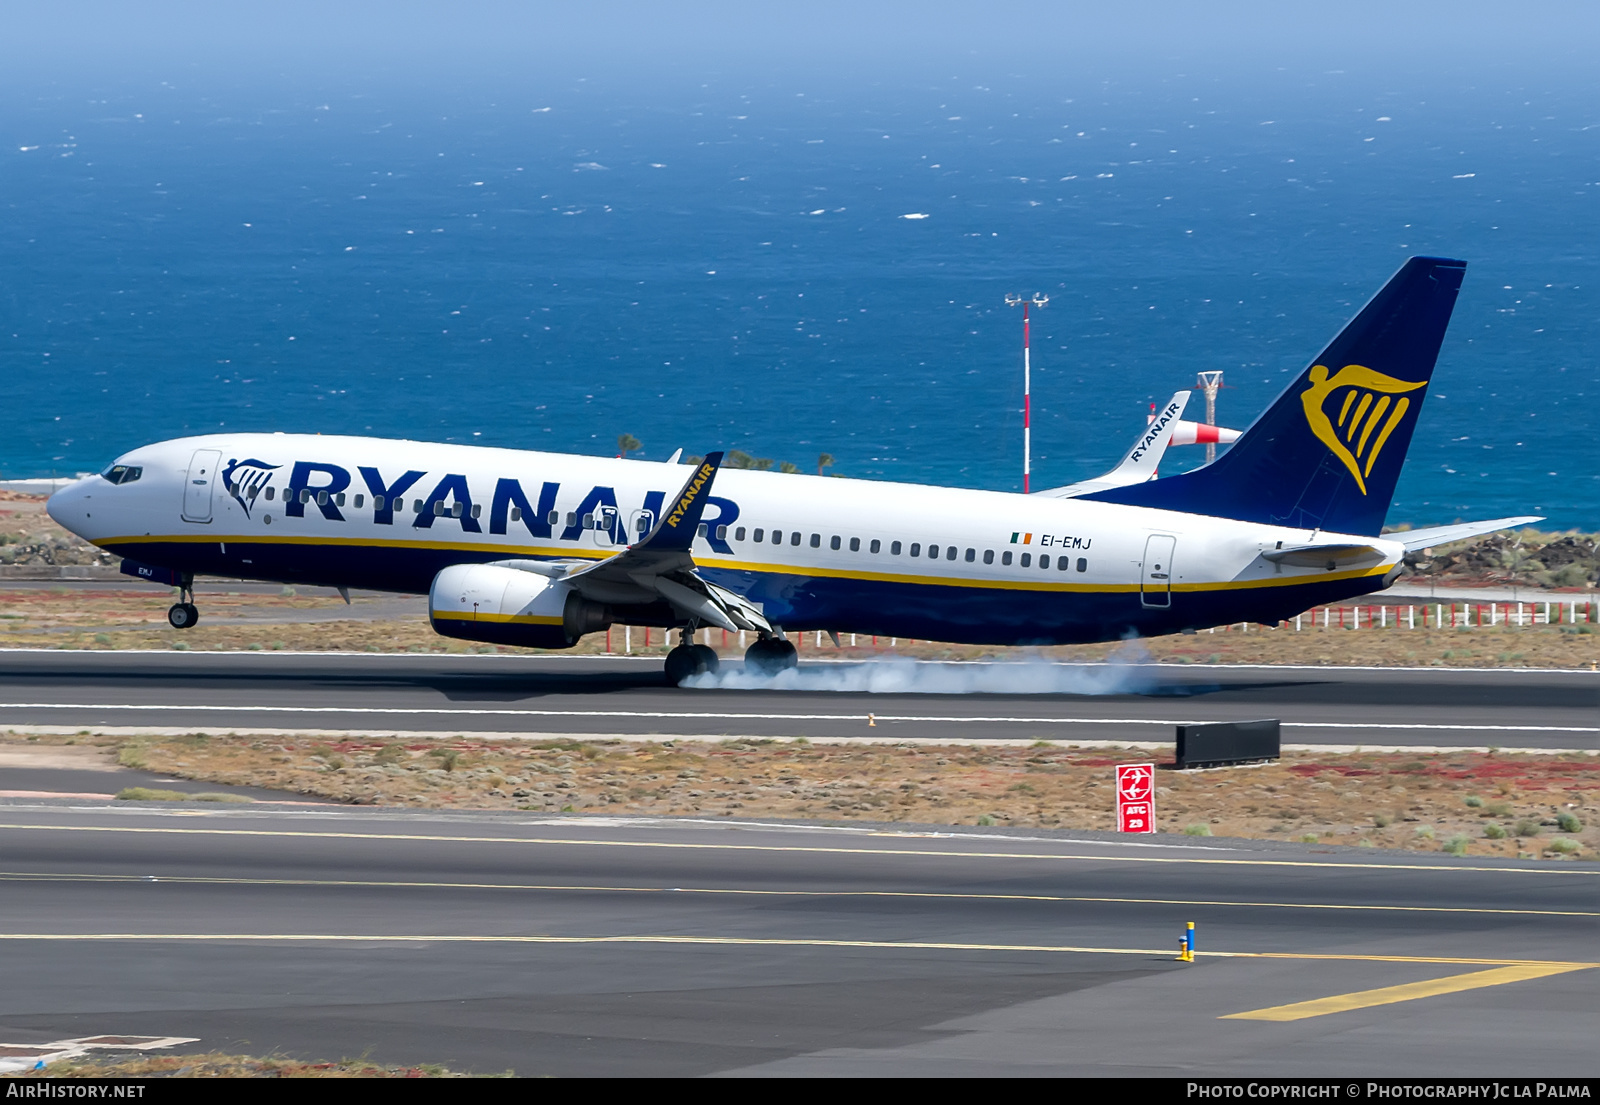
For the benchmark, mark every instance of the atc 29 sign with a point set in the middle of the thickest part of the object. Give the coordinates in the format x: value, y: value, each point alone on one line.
x: 1136, y: 798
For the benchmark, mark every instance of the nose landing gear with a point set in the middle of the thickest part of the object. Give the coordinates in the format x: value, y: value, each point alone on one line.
x: 183, y: 614
x: 690, y: 659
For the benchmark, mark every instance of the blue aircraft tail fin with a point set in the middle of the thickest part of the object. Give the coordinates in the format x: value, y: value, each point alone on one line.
x: 1327, y: 453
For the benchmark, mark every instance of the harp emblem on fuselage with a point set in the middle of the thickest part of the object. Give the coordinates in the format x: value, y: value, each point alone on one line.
x: 1363, y: 413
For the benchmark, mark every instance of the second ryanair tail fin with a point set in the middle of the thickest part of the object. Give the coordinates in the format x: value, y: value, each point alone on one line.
x: 1327, y: 453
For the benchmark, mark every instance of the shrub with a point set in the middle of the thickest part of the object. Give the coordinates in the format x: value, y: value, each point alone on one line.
x: 1201, y: 829
x: 1563, y: 845
x: 1309, y: 838
x: 102, y: 638
x: 1497, y: 809
x: 390, y: 754
x: 1425, y: 832
x: 1457, y: 845
x: 1494, y: 832
x: 1474, y: 801
x: 1526, y: 827
x: 1568, y: 822
x: 146, y: 794
x: 1382, y: 820
x: 218, y: 796
x: 985, y: 819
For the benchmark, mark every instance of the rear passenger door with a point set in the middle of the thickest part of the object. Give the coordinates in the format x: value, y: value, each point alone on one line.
x: 1155, y: 577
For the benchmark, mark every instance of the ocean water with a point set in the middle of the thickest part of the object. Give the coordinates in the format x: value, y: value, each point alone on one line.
x: 794, y: 267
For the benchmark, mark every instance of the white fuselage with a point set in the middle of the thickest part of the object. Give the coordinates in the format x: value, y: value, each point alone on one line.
x: 827, y: 553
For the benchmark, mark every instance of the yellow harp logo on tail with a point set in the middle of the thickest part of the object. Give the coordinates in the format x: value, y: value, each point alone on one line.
x: 1358, y: 434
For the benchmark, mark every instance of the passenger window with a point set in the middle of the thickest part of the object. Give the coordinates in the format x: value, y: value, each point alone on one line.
x: 933, y: 552
x: 759, y: 535
x: 1005, y: 557
x: 305, y: 494
x: 359, y: 500
x: 553, y: 518
x: 456, y: 509
x: 700, y: 530
x: 270, y: 492
x: 855, y: 544
x: 588, y: 521
x: 322, y: 498
x: 516, y: 514
x: 1026, y: 560
x: 417, y: 505
x: 794, y: 538
x: 1063, y: 562
x: 875, y: 546
x: 833, y: 543
x: 253, y: 490
x: 916, y: 549
x: 722, y: 533
x: 572, y: 518
x: 777, y: 537
x: 1044, y: 560
x: 894, y: 549
x: 988, y: 556
x: 972, y: 554
x: 338, y: 499
x: 950, y: 553
x: 1083, y: 565
x: 738, y: 534
x: 377, y: 500
x: 816, y: 540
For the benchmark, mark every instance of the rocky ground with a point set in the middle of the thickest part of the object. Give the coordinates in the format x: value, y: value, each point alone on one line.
x: 1501, y: 803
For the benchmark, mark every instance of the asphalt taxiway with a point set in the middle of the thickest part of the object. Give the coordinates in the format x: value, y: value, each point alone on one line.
x: 621, y: 697
x: 629, y: 946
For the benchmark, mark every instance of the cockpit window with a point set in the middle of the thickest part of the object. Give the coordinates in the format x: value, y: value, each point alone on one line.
x: 122, y: 473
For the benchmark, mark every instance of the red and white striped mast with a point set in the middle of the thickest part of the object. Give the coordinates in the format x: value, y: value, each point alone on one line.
x: 1027, y: 383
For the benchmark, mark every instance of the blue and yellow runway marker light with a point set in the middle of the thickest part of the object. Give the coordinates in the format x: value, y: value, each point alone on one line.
x: 1186, y: 943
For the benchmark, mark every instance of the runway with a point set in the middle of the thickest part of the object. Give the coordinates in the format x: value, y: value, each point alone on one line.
x: 578, y: 946
x: 527, y: 695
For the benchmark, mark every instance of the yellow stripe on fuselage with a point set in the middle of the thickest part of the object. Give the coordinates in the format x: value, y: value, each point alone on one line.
x: 734, y: 564
x: 502, y: 619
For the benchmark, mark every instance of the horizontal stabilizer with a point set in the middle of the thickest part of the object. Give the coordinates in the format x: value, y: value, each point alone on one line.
x: 1140, y: 462
x: 1327, y: 557
x: 1414, y: 539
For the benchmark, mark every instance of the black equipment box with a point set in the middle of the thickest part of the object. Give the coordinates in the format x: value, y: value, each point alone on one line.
x: 1228, y: 742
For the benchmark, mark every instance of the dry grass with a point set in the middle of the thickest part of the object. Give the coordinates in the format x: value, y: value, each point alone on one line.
x: 1389, y: 800
x: 216, y: 1064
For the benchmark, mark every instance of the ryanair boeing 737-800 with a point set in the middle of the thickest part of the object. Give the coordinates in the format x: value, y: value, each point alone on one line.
x: 537, y: 549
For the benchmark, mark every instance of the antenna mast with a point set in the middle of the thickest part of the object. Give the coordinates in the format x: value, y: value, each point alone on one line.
x: 1209, y: 383
x: 1027, y: 383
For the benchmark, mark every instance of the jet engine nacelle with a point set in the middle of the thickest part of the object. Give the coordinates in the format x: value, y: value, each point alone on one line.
x: 505, y: 606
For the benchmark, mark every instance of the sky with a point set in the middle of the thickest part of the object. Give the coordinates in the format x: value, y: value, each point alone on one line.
x: 417, y: 42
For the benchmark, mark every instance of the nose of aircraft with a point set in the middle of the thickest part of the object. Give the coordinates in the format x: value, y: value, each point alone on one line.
x: 71, y: 506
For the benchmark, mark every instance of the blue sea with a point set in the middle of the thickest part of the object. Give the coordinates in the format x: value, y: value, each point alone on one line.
x: 793, y: 267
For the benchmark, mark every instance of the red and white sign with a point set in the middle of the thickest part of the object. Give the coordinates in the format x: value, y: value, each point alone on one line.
x: 1136, y: 798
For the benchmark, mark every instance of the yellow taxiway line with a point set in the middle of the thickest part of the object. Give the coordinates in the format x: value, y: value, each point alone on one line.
x: 1410, y: 991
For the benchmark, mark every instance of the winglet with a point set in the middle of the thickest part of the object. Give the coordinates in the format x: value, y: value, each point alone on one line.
x: 676, y: 528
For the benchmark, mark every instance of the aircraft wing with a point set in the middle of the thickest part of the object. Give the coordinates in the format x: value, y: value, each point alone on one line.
x: 1139, y: 463
x: 661, y: 566
x: 1415, y: 539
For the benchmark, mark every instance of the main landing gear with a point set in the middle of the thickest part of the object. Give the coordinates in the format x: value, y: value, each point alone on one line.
x: 690, y: 659
x: 183, y: 614
x: 770, y: 655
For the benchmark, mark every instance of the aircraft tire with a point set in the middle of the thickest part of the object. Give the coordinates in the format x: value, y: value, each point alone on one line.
x: 182, y: 615
x: 684, y: 661
x: 709, y: 661
x: 770, y: 656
